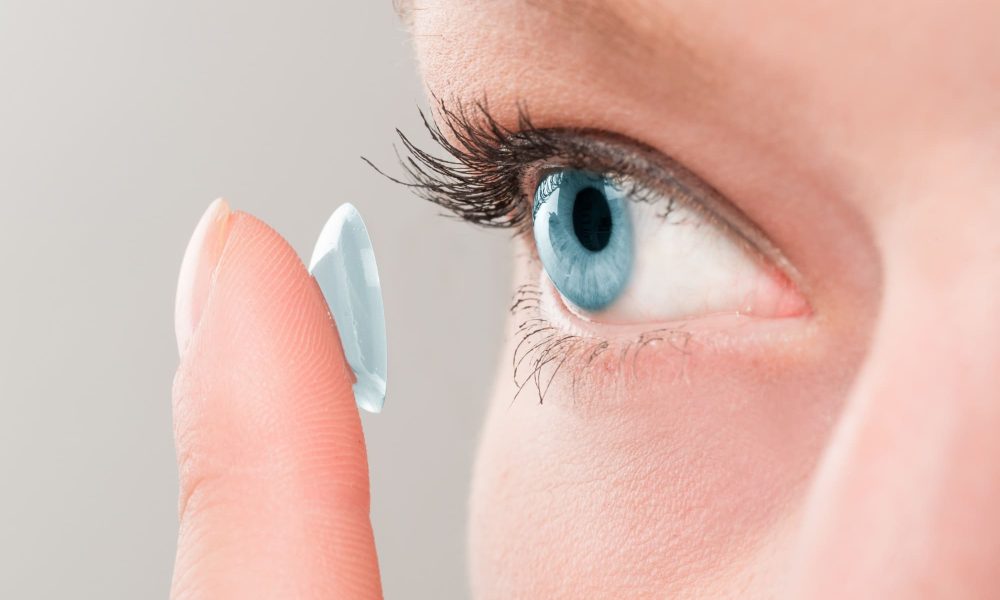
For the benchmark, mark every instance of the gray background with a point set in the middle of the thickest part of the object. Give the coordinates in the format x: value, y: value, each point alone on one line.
x: 120, y: 120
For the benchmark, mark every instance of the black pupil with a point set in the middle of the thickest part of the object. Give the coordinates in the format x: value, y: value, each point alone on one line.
x: 592, y: 219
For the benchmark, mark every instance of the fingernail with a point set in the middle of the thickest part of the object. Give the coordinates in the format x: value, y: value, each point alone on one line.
x: 343, y: 264
x: 198, y: 268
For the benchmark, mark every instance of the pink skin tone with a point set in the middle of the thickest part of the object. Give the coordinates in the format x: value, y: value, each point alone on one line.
x: 849, y: 451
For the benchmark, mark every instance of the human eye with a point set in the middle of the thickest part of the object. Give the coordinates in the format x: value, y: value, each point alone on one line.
x: 622, y: 237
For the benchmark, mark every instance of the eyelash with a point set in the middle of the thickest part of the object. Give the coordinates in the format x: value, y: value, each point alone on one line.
x: 485, y: 182
x: 542, y: 344
x: 482, y: 180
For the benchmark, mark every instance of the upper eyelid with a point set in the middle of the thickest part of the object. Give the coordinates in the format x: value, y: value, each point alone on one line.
x: 615, y: 158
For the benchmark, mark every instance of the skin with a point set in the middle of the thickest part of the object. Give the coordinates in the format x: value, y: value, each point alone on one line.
x: 846, y: 453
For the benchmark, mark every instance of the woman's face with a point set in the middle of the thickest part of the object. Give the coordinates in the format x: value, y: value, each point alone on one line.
x: 798, y: 388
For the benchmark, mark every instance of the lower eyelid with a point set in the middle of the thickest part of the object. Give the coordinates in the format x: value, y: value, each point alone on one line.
x: 554, y: 347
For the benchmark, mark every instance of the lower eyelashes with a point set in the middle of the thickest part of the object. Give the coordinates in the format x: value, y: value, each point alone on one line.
x: 545, y: 350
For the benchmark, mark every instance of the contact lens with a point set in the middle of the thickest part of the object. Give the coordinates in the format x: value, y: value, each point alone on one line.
x: 584, y: 236
x: 343, y: 264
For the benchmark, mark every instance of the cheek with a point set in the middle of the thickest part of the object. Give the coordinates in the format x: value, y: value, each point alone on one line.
x: 648, y: 474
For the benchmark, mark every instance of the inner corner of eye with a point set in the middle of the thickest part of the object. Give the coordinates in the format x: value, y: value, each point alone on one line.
x: 618, y: 261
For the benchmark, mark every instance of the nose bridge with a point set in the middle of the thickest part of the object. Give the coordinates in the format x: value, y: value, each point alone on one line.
x: 907, y: 496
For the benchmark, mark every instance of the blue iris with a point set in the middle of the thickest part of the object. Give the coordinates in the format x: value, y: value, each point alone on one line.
x: 584, y: 236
